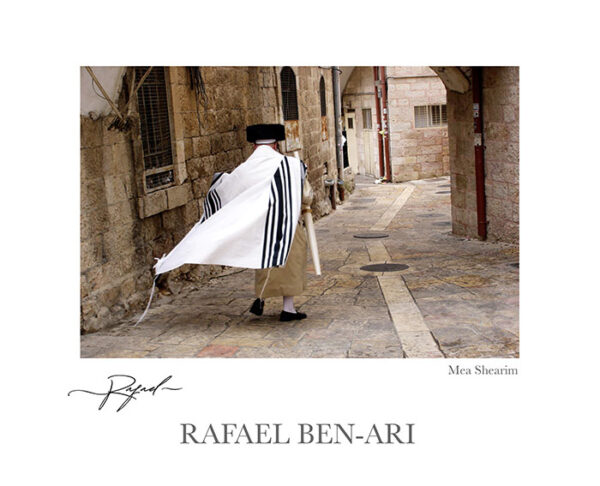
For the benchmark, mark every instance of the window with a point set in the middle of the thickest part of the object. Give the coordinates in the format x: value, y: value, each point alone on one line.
x: 367, y: 119
x: 430, y: 116
x: 350, y: 123
x: 288, y: 94
x: 323, y: 99
x: 155, y: 129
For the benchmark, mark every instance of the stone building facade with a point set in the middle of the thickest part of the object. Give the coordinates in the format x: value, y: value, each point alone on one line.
x: 418, y: 131
x: 126, y: 222
x: 418, y: 123
x: 500, y: 114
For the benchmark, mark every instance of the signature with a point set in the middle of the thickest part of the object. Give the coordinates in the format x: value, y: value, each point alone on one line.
x: 126, y: 386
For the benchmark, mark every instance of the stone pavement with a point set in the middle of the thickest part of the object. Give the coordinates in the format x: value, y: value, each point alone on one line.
x: 451, y: 297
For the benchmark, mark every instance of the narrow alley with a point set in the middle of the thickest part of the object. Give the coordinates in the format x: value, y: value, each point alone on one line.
x: 396, y: 283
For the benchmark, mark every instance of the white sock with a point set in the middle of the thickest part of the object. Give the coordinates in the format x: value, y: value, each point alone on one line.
x: 288, y: 305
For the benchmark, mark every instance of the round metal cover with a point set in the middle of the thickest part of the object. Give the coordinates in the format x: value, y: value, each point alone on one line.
x: 431, y: 215
x: 384, y: 267
x: 443, y: 192
x: 371, y: 235
x: 442, y: 223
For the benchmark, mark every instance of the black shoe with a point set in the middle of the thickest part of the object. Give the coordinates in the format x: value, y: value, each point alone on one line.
x: 291, y: 316
x: 257, y: 307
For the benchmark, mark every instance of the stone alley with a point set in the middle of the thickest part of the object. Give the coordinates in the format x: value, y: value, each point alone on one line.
x: 425, y: 293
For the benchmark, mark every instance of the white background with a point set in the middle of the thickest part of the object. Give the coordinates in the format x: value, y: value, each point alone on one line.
x: 538, y: 427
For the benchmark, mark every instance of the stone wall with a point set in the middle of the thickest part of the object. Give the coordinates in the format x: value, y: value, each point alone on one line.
x: 123, y: 230
x: 416, y: 153
x: 500, y: 110
x: 501, y: 139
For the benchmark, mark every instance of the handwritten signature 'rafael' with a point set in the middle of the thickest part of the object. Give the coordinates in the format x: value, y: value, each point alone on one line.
x: 129, y: 389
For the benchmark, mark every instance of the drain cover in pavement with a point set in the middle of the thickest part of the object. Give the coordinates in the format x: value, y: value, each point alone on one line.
x: 443, y: 192
x: 431, y: 215
x: 363, y: 200
x: 354, y: 208
x: 384, y: 267
x: 371, y: 235
x: 442, y: 223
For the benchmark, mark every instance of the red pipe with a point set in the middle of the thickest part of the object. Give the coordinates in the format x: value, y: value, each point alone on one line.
x: 386, y: 124
x: 378, y: 110
x: 479, y: 152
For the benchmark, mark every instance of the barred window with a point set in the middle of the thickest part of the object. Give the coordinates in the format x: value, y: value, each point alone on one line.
x: 288, y: 94
x: 367, y: 118
x: 430, y: 116
x: 323, y: 99
x: 155, y: 129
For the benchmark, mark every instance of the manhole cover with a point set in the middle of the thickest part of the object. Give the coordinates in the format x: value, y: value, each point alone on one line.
x: 514, y: 265
x: 384, y: 267
x: 445, y: 185
x: 371, y: 235
x: 431, y: 215
x: 363, y: 200
x: 442, y: 223
x: 354, y: 208
x: 443, y: 192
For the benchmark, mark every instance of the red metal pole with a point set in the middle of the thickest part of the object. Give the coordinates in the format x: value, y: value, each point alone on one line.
x: 386, y: 124
x: 378, y: 110
x: 479, y: 152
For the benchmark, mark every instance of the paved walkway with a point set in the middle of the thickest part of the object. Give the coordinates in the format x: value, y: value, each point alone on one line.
x: 451, y: 297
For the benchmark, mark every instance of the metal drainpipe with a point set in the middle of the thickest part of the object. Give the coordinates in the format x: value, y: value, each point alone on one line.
x: 386, y: 124
x: 479, y: 152
x: 337, y: 113
x: 378, y: 110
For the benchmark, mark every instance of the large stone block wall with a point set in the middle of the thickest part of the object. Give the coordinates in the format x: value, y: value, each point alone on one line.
x: 121, y: 236
x: 500, y: 110
x: 501, y: 139
x: 416, y: 153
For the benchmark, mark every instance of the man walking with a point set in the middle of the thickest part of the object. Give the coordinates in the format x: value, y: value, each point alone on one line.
x: 250, y: 220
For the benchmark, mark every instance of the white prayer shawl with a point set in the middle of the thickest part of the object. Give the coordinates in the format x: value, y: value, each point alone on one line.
x: 249, y: 216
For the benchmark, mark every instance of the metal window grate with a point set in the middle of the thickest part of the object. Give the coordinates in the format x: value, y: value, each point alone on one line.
x: 155, y: 128
x: 430, y: 116
x: 159, y: 179
x: 323, y: 99
x: 288, y: 94
x: 367, y: 118
x: 421, y: 119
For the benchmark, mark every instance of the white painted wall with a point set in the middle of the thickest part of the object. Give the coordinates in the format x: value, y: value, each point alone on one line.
x: 111, y: 79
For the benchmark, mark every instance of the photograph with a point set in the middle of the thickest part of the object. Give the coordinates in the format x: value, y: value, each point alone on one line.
x: 294, y: 244
x: 299, y: 212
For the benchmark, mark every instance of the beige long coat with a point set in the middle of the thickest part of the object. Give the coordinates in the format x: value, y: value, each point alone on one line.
x: 288, y: 280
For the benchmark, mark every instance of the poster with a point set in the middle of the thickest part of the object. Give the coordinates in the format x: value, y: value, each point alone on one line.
x: 535, y: 425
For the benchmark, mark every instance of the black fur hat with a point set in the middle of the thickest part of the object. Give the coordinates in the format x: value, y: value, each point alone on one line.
x: 265, y: 132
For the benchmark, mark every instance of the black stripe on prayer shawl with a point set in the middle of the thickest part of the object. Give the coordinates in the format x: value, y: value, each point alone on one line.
x: 279, y: 226
x: 212, y: 203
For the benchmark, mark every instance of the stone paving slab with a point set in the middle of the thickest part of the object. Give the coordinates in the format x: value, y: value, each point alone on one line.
x: 458, y: 298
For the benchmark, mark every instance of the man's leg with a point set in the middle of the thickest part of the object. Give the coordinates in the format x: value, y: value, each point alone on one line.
x: 289, y: 312
x: 288, y: 304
